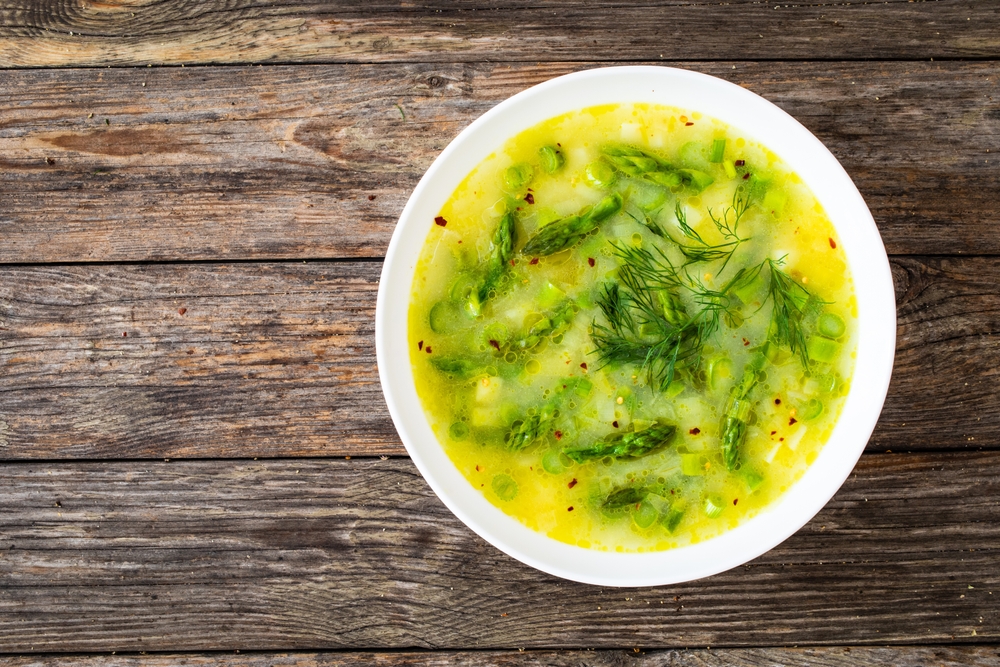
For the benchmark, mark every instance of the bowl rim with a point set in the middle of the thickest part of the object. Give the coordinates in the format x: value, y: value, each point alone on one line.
x: 866, y: 257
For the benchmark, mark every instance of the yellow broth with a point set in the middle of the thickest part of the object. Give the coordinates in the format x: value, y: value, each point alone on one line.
x: 683, y: 491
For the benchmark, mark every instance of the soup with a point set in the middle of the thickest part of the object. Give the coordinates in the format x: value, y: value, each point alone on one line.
x: 632, y: 327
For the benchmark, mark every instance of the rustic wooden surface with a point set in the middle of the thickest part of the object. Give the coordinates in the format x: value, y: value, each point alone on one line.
x: 191, y: 244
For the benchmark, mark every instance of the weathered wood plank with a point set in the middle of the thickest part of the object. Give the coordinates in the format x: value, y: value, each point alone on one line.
x: 847, y: 656
x: 276, y: 360
x: 317, y: 162
x: 59, y: 33
x: 196, y: 555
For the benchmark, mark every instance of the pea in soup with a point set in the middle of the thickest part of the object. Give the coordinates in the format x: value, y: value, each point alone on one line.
x: 632, y: 327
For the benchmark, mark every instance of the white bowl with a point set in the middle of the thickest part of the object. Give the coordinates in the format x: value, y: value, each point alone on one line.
x: 805, y: 155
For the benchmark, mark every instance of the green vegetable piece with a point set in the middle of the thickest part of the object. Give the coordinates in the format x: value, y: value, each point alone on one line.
x: 692, y: 464
x: 752, y: 478
x: 822, y: 349
x: 672, y: 519
x: 552, y: 159
x: 644, y: 515
x: 713, y: 507
x: 445, y: 317
x: 831, y: 325
x: 675, y: 388
x: 564, y: 233
x: 526, y: 432
x: 812, y: 410
x: 600, y: 174
x: 774, y: 202
x: 552, y: 462
x: 668, y: 179
x: 629, y: 495
x: 517, y: 176
x: 504, y: 486
x: 458, y: 431
x: 718, y: 151
x: 625, y: 445
x: 719, y: 372
x: 457, y: 367
x: 697, y: 180
x: 557, y: 322
x: 735, y: 419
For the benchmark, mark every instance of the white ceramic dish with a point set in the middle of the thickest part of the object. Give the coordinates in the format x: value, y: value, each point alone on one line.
x: 862, y: 244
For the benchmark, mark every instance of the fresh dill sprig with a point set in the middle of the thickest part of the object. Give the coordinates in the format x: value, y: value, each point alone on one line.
x: 790, y: 301
x: 727, y: 225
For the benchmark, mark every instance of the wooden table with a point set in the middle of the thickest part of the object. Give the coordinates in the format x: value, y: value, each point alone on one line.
x: 197, y: 463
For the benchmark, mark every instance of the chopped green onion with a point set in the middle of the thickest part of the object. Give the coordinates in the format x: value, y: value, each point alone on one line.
x: 830, y: 325
x: 644, y: 515
x: 458, y: 431
x: 713, y: 507
x: 752, y: 479
x: 730, y: 169
x: 718, y: 150
x: 504, y: 486
x: 552, y: 462
x: 813, y: 409
x: 822, y: 349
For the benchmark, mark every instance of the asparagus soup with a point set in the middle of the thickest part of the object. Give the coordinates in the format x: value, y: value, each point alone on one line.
x: 632, y: 327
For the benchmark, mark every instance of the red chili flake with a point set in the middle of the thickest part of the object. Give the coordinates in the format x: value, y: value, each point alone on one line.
x: 477, y: 468
x: 781, y: 439
x: 615, y: 423
x: 773, y: 432
x: 440, y: 222
x: 494, y: 344
x: 671, y: 492
x: 569, y: 509
x: 181, y: 311
x: 695, y: 431
x: 746, y: 176
x: 512, y: 263
x: 745, y: 342
x: 558, y: 435
x: 688, y: 124
x: 584, y: 365
x: 371, y: 197
x: 777, y: 401
x: 428, y: 349
x: 124, y: 334
x: 572, y: 483
x: 530, y: 198
x: 558, y: 144
x: 736, y: 500
x: 534, y: 260
x: 833, y: 244
x: 420, y: 344
x: 740, y: 163
x: 792, y: 421
x: 590, y: 260
x: 460, y: 240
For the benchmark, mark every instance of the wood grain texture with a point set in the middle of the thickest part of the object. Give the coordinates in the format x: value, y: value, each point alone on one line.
x: 276, y: 360
x: 317, y: 161
x: 847, y: 656
x: 61, y: 33
x: 220, y: 555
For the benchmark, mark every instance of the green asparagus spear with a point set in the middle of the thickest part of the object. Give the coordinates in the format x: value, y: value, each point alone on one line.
x: 564, y: 233
x: 629, y: 495
x: 459, y: 367
x: 737, y: 414
x: 553, y: 325
x: 626, y: 445
x: 497, y: 264
x: 530, y: 429
x: 639, y: 164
